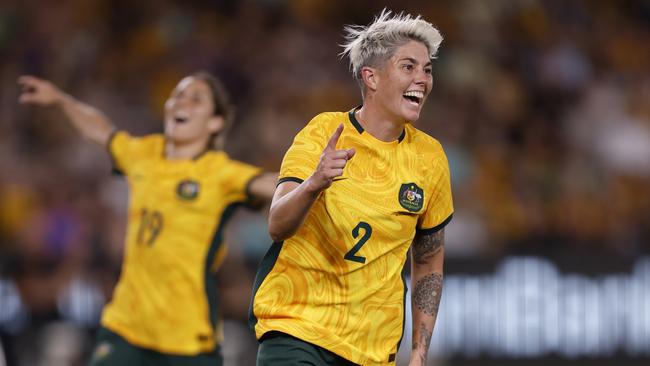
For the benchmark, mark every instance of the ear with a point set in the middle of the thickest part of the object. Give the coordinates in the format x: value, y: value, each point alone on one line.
x: 216, y: 124
x: 370, y: 77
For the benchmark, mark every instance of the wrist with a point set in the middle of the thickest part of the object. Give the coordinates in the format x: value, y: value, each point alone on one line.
x: 61, y: 98
x: 418, y: 358
x: 311, y: 187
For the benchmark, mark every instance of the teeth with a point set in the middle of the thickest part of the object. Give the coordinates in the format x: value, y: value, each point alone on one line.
x: 181, y: 115
x: 415, y: 94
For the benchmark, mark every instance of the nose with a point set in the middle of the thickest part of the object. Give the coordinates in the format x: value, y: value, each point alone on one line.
x: 422, y: 78
x: 178, y: 101
x: 181, y: 99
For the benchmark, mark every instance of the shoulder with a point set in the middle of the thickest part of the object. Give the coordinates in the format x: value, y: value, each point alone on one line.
x: 212, y: 159
x: 326, y: 121
x: 153, y: 144
x: 322, y: 125
x: 425, y: 143
x: 151, y: 139
x: 123, y: 140
x: 430, y: 152
x: 328, y: 118
x: 221, y: 159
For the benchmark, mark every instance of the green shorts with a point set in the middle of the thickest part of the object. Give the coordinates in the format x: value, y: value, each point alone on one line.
x: 279, y: 349
x: 113, y: 350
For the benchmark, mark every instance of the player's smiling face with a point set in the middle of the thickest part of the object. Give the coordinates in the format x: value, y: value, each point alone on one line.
x: 406, y: 81
x: 189, y: 112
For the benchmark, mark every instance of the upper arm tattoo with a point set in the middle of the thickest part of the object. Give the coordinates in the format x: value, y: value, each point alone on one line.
x: 425, y: 246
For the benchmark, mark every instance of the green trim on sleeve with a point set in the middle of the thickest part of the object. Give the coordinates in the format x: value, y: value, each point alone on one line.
x: 251, y: 201
x: 289, y: 179
x: 436, y: 228
x: 115, y: 170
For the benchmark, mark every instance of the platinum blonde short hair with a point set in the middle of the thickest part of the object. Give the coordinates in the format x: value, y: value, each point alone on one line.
x: 377, y: 42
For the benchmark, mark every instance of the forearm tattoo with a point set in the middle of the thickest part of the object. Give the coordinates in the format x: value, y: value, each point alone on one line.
x: 426, y: 296
x: 426, y: 246
x: 424, y: 340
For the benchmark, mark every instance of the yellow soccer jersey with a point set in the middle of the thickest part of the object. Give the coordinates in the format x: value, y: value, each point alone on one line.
x: 165, y: 299
x: 337, y: 282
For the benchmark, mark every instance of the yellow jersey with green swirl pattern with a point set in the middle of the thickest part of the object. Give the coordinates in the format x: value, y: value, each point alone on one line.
x: 337, y: 283
x: 166, y: 297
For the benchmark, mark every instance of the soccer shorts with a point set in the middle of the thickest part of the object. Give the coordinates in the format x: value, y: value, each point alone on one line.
x: 113, y: 350
x: 280, y: 349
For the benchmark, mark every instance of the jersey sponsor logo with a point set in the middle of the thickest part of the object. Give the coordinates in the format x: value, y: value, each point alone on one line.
x: 188, y: 189
x: 411, y: 197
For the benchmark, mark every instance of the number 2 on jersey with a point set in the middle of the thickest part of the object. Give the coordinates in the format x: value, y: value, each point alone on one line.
x: 367, y: 231
x: 151, y: 223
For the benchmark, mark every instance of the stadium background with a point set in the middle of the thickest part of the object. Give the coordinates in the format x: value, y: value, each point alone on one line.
x: 543, y: 108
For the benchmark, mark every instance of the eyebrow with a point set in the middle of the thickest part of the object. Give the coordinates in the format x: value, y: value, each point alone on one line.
x: 411, y: 59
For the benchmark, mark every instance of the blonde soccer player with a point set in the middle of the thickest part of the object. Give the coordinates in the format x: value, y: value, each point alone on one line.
x: 357, y: 190
x: 183, y: 189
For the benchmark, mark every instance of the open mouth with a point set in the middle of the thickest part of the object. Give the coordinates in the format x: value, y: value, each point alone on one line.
x: 414, y: 97
x: 180, y: 119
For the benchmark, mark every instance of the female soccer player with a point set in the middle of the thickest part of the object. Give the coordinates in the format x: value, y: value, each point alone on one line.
x: 183, y: 189
x: 357, y: 190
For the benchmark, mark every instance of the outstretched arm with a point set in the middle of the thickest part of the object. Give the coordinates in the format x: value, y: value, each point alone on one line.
x: 262, y: 187
x: 427, y: 253
x: 292, y: 200
x: 90, y: 122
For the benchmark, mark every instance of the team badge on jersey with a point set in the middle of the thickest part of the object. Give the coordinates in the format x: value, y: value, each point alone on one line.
x: 188, y: 189
x: 411, y: 197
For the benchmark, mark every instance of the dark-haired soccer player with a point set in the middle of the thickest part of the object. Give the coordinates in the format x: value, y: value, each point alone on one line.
x: 183, y: 189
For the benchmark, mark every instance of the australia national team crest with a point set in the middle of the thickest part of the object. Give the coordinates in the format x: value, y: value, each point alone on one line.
x: 411, y: 197
x: 188, y: 189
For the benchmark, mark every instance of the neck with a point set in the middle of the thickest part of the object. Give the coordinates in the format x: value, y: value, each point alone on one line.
x: 378, y: 123
x: 180, y: 151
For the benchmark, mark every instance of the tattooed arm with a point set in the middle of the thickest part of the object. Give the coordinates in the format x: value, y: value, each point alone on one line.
x: 427, y: 253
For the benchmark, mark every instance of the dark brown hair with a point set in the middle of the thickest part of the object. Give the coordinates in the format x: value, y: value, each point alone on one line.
x: 222, y: 107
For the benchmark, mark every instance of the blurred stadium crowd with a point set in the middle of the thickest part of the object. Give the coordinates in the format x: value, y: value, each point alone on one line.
x: 543, y: 108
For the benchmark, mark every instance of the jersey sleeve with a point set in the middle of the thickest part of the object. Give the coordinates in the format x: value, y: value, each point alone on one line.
x: 122, y: 149
x: 301, y: 159
x: 439, y: 210
x: 237, y: 179
x: 126, y: 151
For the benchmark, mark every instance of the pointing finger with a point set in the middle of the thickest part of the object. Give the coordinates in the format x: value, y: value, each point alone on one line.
x: 331, y: 144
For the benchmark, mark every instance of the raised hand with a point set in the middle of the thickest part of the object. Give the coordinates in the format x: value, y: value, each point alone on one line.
x: 38, y: 91
x: 90, y: 122
x: 332, y: 162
